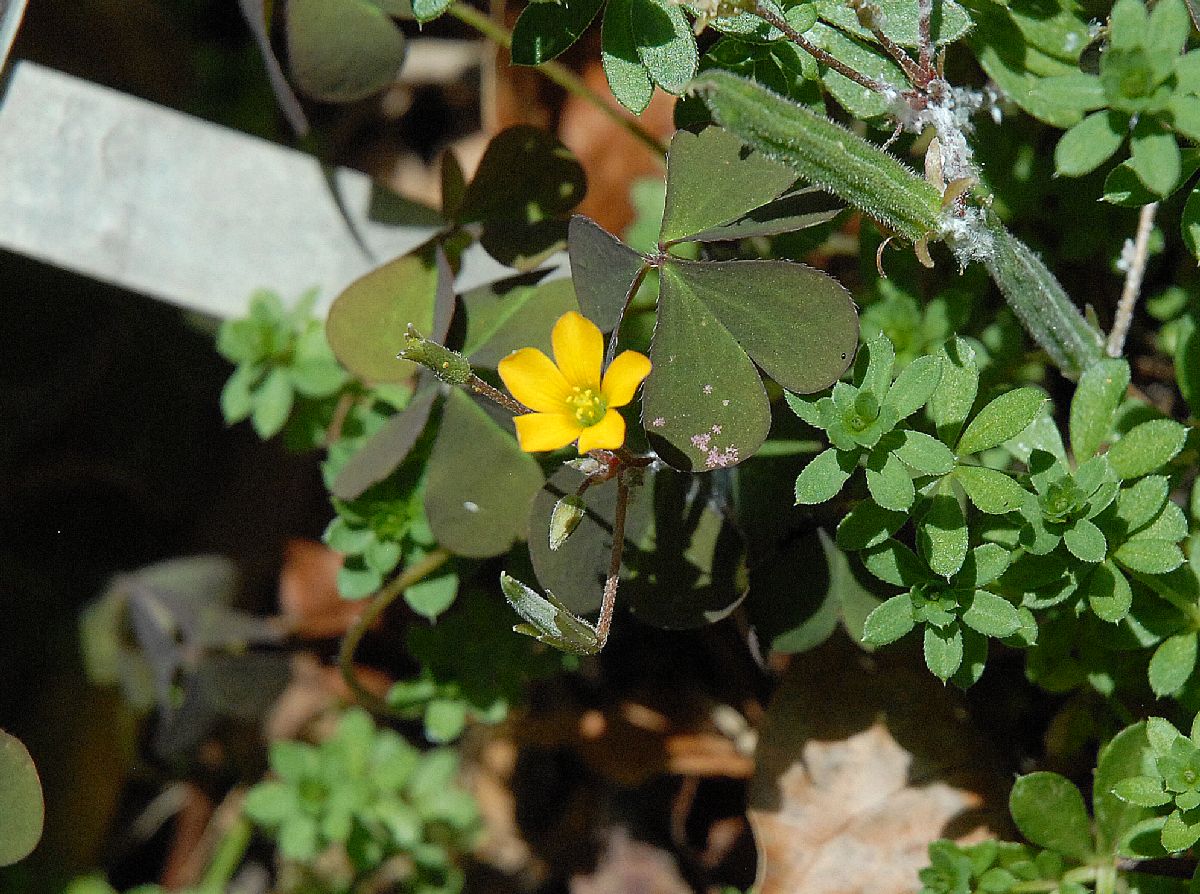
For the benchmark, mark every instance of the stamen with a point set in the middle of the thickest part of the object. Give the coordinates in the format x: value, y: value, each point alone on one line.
x: 588, y: 404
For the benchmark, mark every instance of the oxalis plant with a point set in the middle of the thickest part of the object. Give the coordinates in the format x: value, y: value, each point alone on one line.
x: 686, y: 422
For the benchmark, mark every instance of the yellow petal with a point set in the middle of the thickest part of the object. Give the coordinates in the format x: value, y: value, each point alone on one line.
x: 607, y: 434
x: 578, y: 349
x: 623, y: 376
x: 534, y: 380
x: 546, y: 431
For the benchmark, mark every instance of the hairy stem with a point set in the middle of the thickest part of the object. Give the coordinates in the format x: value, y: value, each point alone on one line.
x: 924, y: 39
x: 378, y: 606
x: 776, y: 21
x: 479, y: 386
x: 559, y: 74
x: 604, y: 622
x: 869, y: 17
x: 1133, y: 282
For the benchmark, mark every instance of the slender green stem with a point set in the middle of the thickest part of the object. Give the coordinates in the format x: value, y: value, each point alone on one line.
x: 1080, y: 874
x: 385, y: 597
x: 558, y: 73
x: 227, y: 858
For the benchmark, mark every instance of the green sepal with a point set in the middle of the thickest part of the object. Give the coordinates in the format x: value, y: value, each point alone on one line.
x: 548, y: 620
x: 568, y: 513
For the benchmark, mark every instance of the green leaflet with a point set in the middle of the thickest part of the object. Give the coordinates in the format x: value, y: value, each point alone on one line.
x: 1049, y: 811
x: 665, y: 43
x: 21, y: 809
x: 544, y: 30
x: 623, y: 68
x: 714, y: 181
x: 949, y: 22
x: 344, y: 50
x: 479, y: 482
x: 1101, y: 389
x: 824, y: 153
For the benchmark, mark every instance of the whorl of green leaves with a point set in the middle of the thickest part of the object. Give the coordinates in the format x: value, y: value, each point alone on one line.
x: 369, y: 791
x: 823, y: 153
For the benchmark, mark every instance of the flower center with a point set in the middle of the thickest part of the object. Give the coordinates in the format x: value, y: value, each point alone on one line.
x: 589, y: 406
x: 865, y: 412
x: 1062, y: 501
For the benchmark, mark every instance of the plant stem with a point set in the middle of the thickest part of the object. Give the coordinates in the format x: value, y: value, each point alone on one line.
x: 776, y: 21
x: 228, y: 857
x: 924, y: 40
x: 479, y: 386
x: 604, y: 622
x: 1133, y: 282
x: 378, y: 606
x: 558, y: 73
x: 611, y: 352
x: 1081, y: 874
x: 869, y: 16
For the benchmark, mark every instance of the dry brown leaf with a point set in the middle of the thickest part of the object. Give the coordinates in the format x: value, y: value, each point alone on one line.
x: 631, y: 742
x: 308, y: 594
x: 862, y: 762
x: 312, y: 691
x: 628, y: 865
x: 611, y: 156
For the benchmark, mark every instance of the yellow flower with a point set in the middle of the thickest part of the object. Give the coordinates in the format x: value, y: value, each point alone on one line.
x: 569, y: 399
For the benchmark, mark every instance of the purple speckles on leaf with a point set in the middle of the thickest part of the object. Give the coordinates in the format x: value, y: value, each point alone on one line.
x: 700, y: 441
x: 716, y: 429
x: 719, y: 459
x: 708, y: 389
x: 659, y: 422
